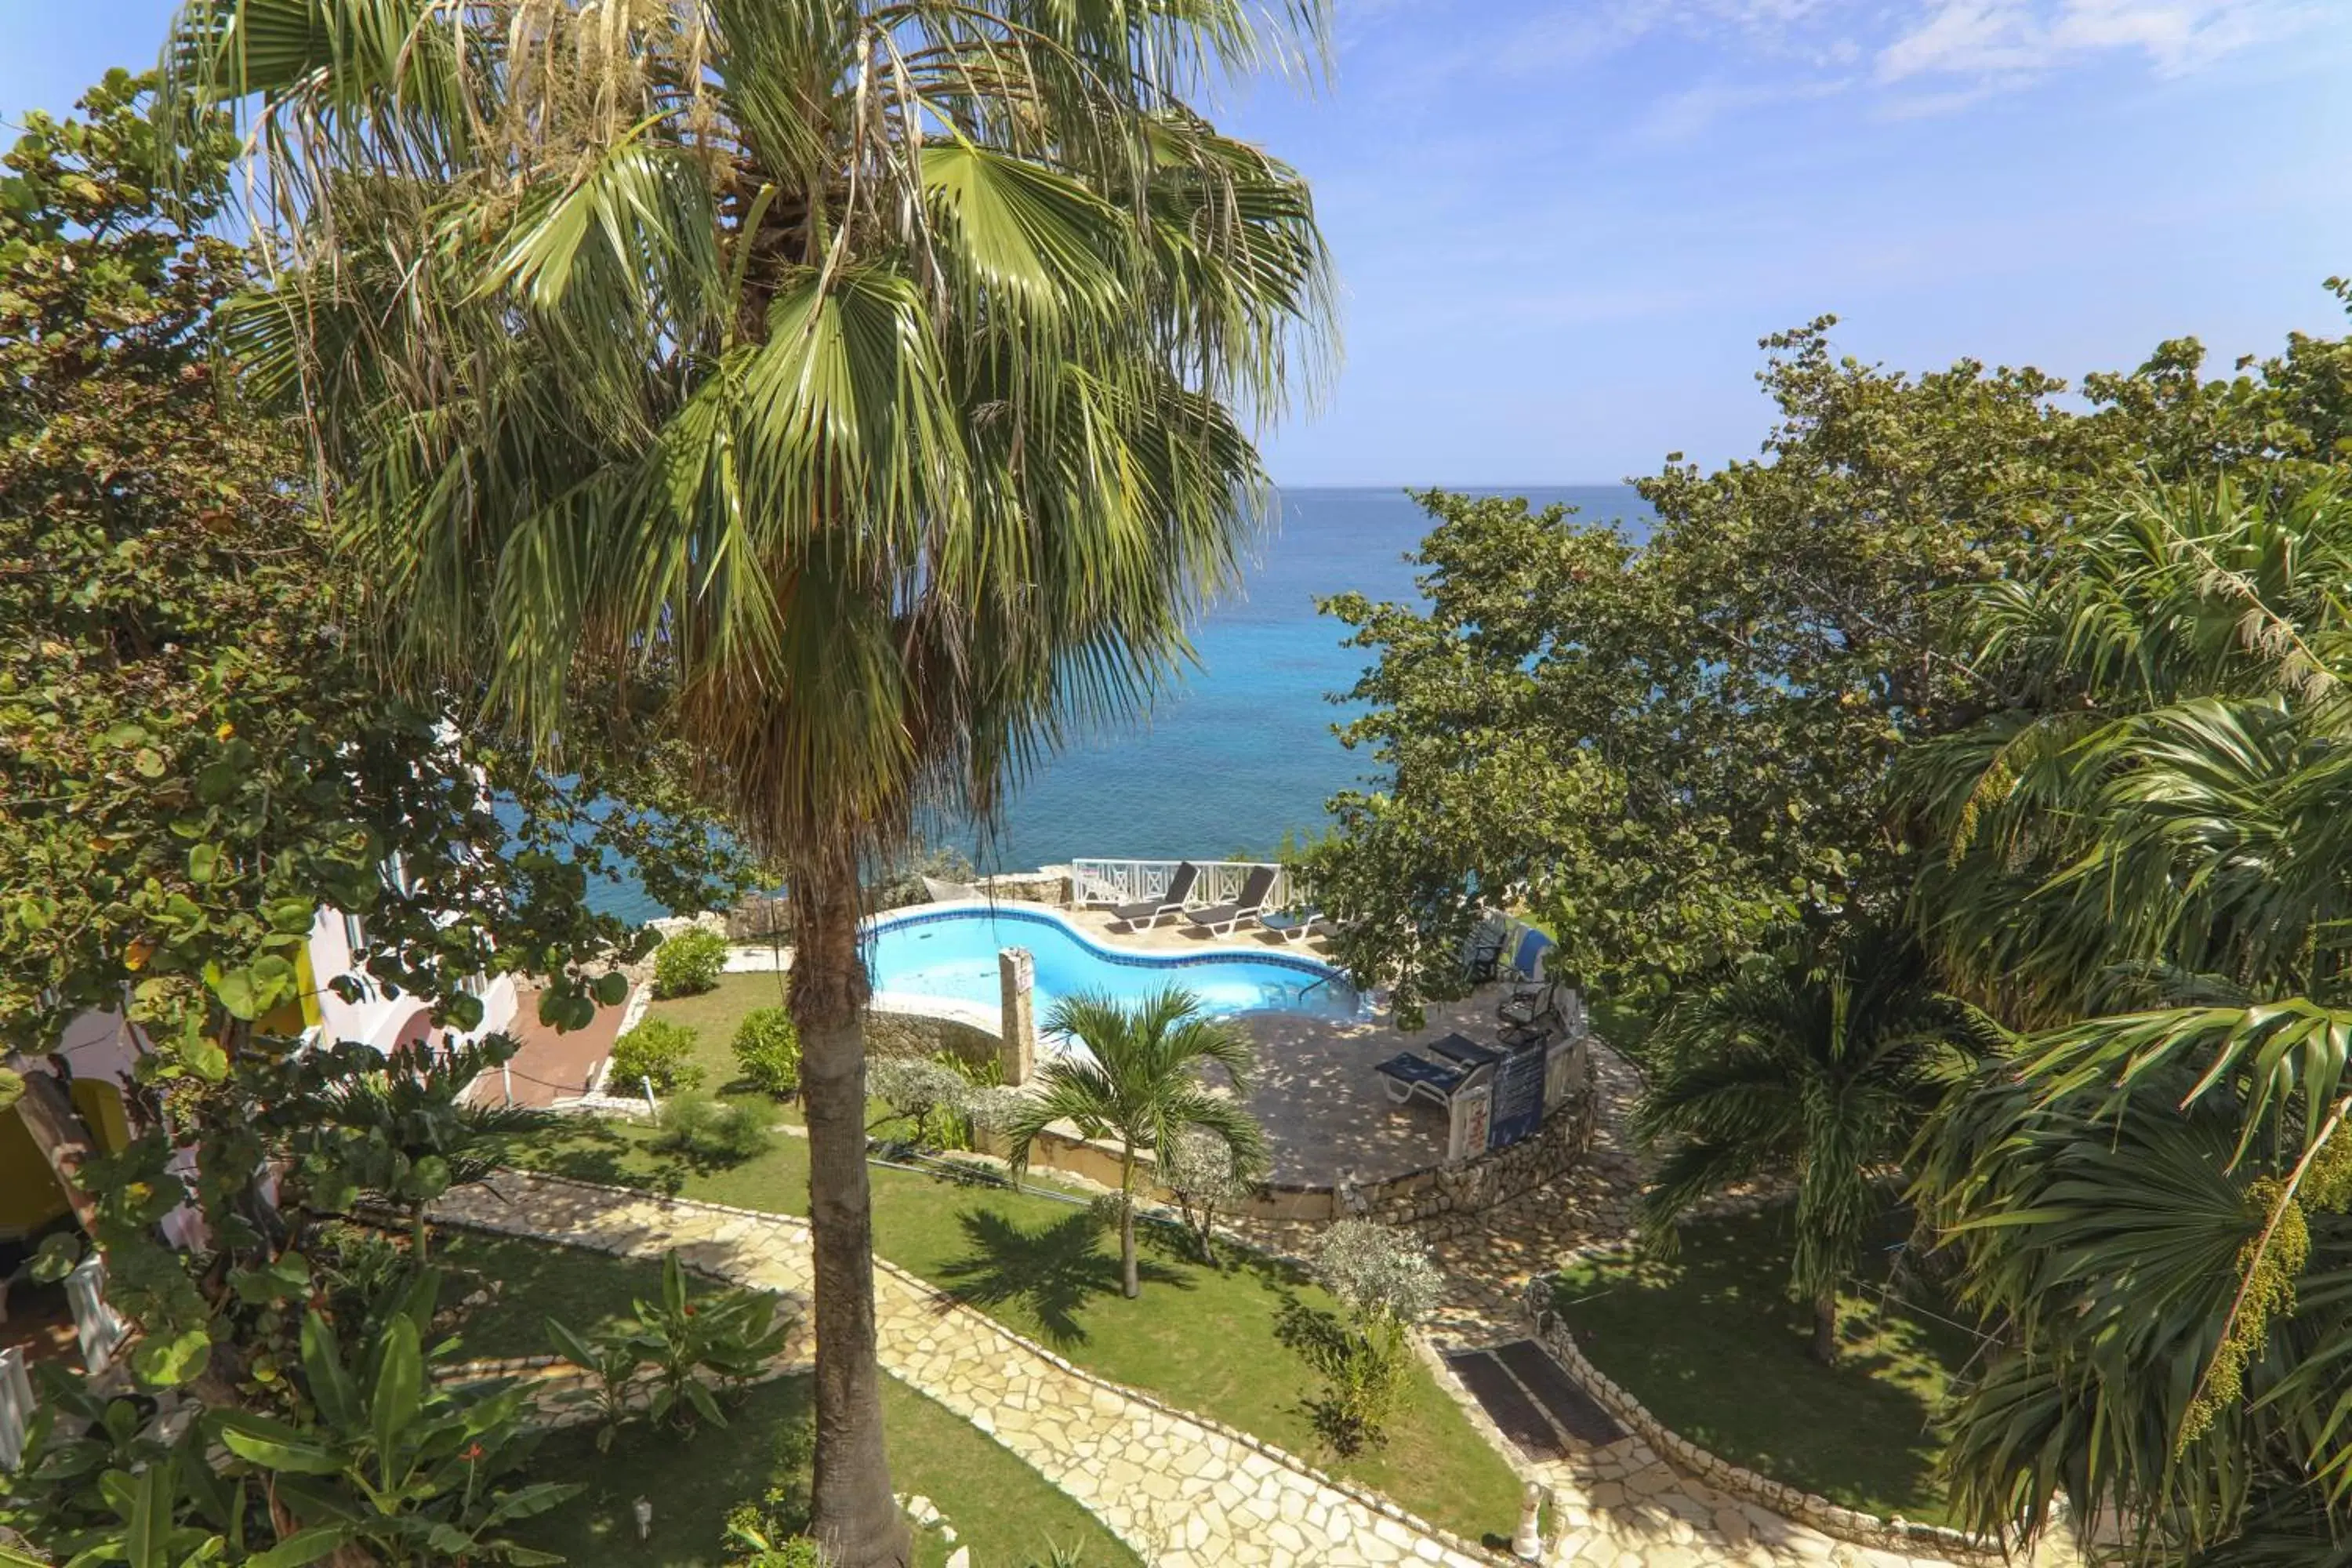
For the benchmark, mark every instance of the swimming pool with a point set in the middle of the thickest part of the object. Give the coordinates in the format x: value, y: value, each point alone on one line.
x: 951, y: 952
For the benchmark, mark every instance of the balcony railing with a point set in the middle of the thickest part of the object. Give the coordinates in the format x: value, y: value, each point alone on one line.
x: 1131, y: 881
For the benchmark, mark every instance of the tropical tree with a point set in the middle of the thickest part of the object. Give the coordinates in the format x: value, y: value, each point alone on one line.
x: 1672, y: 743
x: 2144, y: 865
x: 1818, y: 1071
x: 1140, y: 1084
x: 860, y: 389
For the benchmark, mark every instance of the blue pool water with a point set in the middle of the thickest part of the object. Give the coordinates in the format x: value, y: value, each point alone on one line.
x: 953, y: 953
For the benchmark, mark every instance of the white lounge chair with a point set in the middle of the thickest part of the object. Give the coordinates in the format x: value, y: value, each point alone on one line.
x: 1221, y: 920
x: 1145, y: 913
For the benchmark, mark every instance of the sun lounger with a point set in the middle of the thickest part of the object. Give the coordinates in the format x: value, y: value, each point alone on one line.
x: 1221, y: 919
x: 1145, y: 913
x: 1295, y: 928
x: 1405, y: 1075
x: 1465, y: 1052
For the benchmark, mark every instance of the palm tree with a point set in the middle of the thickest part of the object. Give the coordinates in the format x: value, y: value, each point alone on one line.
x: 860, y: 390
x: 1143, y: 1088
x: 1819, y: 1072
x: 2147, y: 862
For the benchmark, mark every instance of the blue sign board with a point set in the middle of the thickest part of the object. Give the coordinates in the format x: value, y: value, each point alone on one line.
x: 1518, y: 1102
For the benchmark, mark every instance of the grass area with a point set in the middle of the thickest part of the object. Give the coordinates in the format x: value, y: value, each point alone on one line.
x: 712, y: 1014
x: 1712, y: 1344
x: 534, y: 1281
x: 1002, y: 1510
x: 1202, y: 1338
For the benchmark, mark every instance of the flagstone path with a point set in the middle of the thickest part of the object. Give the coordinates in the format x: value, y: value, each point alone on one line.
x: 1183, y: 1491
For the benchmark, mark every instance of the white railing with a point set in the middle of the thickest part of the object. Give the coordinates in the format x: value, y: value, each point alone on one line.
x: 1131, y: 881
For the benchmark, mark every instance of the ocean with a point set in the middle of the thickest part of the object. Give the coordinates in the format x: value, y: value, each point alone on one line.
x: 1242, y: 751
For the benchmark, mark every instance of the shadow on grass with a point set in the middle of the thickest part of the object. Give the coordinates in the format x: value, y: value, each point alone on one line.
x: 592, y: 1151
x: 1710, y: 1340
x: 1053, y: 1271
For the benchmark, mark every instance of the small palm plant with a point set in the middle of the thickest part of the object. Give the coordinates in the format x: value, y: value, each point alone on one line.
x: 1142, y: 1088
x: 1820, y: 1072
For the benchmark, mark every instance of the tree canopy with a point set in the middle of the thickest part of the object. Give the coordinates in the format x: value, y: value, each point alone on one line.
x: 194, y: 753
x: 1675, y: 749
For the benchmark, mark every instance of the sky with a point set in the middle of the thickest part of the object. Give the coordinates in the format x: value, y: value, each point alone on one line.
x: 1560, y: 228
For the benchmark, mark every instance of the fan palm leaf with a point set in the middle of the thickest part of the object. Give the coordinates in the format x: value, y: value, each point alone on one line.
x: 861, y: 390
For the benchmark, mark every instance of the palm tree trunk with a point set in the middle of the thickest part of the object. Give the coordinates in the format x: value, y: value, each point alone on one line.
x: 1825, y: 1344
x: 1130, y: 1284
x: 855, y: 1518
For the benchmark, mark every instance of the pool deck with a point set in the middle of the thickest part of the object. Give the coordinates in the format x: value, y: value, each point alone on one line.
x: 1323, y: 1108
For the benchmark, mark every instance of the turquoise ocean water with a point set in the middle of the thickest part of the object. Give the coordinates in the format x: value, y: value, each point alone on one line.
x: 1243, y: 752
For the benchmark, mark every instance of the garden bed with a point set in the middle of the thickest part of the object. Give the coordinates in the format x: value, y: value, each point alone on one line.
x: 1001, y: 1508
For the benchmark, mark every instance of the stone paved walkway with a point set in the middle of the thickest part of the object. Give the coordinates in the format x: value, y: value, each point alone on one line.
x: 1182, y: 1492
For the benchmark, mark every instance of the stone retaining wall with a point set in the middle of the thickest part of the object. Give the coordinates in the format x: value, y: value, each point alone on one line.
x: 890, y: 1034
x: 1897, y: 1534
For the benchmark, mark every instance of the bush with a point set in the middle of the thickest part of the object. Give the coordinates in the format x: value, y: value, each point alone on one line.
x: 688, y: 962
x: 1385, y: 1279
x: 768, y: 1051
x: 1363, y: 1369
x: 657, y: 1049
x: 710, y: 1134
x: 1376, y: 1271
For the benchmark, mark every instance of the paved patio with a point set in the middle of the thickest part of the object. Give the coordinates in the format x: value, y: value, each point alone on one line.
x: 1322, y: 1106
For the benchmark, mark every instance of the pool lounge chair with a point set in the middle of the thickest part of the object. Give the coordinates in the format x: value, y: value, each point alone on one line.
x: 1222, y: 919
x: 1405, y: 1075
x: 1465, y: 1052
x: 1293, y: 928
x: 1145, y: 913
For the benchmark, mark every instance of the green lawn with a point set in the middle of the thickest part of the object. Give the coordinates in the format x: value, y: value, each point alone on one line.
x: 712, y: 1014
x: 1003, y: 1509
x: 1202, y: 1339
x: 1000, y: 1508
x: 534, y: 1281
x: 1711, y: 1344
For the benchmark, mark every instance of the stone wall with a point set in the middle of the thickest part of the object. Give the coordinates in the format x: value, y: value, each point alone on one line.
x: 891, y: 1034
x: 1897, y: 1535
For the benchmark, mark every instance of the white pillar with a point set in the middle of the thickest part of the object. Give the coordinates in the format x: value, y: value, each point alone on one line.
x: 16, y: 1407
x: 97, y: 1326
x: 1016, y: 970
x: 1526, y: 1544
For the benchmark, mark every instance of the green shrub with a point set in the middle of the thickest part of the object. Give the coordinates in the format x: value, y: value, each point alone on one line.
x: 708, y: 1133
x: 690, y: 962
x: 657, y: 1049
x: 768, y: 1051
x: 1362, y: 1365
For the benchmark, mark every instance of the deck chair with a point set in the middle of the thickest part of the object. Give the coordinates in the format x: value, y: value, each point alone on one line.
x: 1293, y: 927
x: 1220, y: 920
x: 1465, y: 1052
x: 1145, y: 913
x: 1405, y: 1075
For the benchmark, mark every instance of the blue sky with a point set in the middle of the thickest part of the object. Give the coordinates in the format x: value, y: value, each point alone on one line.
x: 1561, y: 227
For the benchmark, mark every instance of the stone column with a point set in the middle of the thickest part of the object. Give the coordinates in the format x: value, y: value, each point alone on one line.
x: 1017, y: 1050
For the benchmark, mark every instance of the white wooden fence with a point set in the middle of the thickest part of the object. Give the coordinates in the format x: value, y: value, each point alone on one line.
x: 1131, y: 881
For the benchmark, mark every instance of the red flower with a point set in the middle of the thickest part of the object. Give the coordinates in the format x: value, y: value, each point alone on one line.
x: 689, y: 1309
x: 473, y: 1453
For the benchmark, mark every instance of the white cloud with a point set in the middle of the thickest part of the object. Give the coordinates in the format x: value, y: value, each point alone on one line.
x: 1684, y: 116
x: 2000, y: 40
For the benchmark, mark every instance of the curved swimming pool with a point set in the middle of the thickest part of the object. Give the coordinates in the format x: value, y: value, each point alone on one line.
x: 951, y: 952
